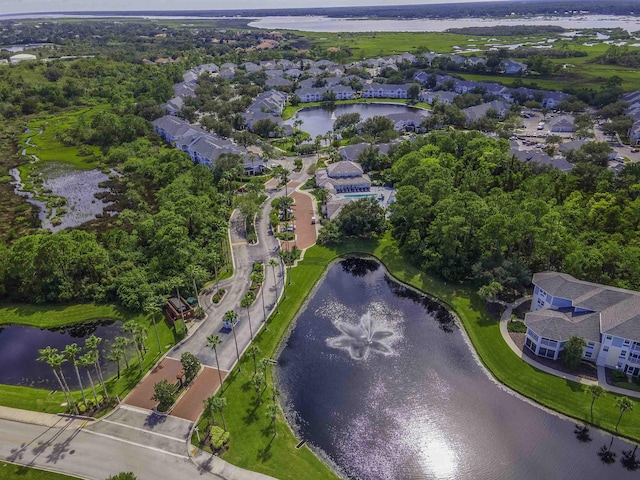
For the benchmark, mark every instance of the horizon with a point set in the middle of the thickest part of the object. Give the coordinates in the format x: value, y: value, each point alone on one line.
x: 33, y: 7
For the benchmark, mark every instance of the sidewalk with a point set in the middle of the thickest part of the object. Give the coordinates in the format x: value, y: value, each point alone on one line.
x: 43, y: 419
x: 504, y: 320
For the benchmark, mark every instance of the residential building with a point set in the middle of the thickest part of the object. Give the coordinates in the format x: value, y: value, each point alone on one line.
x: 441, y: 96
x: 343, y: 177
x: 384, y: 90
x: 479, y: 111
x: 563, y: 123
x: 512, y: 67
x: 607, y: 318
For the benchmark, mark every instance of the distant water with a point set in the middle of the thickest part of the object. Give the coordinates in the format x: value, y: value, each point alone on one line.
x: 325, y: 24
x: 381, y: 380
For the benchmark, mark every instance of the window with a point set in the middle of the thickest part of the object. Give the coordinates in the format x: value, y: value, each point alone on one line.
x: 609, y: 337
x: 626, y: 343
x: 587, y: 355
x: 605, y: 349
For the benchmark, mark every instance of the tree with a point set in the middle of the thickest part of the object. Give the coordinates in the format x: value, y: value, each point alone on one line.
x: 212, y: 342
x: 114, y: 355
x: 413, y: 93
x: 133, y: 328
x: 71, y: 353
x: 363, y: 218
x: 258, y: 279
x: 376, y: 126
x: 153, y: 308
x: 246, y: 302
x: 573, y: 351
x: 231, y: 317
x: 51, y: 356
x: 254, y: 351
x: 490, y: 292
x: 596, y: 392
x: 86, y: 361
x: 273, y: 263
x: 164, y: 394
x: 218, y: 405
x: 121, y: 343
x: 258, y: 381
x: 190, y: 365
x: 624, y: 404
x: 283, y: 175
x: 195, y: 272
x: 346, y: 120
x: 272, y: 415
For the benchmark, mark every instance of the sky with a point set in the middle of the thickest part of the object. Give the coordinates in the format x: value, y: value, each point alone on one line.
x: 32, y: 6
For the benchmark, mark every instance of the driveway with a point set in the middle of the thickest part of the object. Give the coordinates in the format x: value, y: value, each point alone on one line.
x: 168, y: 369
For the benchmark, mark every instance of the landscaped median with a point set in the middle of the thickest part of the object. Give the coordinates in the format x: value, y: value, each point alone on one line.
x: 253, y: 445
x: 41, y: 316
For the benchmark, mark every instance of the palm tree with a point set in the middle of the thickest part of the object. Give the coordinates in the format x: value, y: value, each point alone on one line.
x: 254, y: 350
x: 258, y: 278
x: 624, y: 404
x: 71, y: 353
x: 596, y: 392
x: 121, y: 344
x: 132, y: 327
x: 87, y: 360
x: 51, y: 356
x: 209, y: 408
x: 91, y: 344
x: 231, y: 317
x: 218, y: 405
x: 114, y: 356
x: 258, y: 383
x: 273, y: 263
x: 272, y: 414
x: 195, y: 271
x: 212, y: 342
x: 153, y: 308
x: 246, y: 302
x: 215, y: 260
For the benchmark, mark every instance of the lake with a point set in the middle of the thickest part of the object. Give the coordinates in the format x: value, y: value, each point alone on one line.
x: 317, y: 23
x: 320, y: 120
x: 381, y: 381
x: 19, y: 347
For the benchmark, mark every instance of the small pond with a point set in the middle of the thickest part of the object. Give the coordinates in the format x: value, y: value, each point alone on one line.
x: 320, y: 120
x: 78, y: 187
x: 381, y: 381
x: 19, y: 347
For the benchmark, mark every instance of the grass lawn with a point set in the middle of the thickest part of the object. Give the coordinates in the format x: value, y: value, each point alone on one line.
x: 47, y: 317
x: 11, y: 471
x: 253, y: 445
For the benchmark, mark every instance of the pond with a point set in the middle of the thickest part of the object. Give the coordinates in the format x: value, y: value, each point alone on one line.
x: 381, y: 381
x: 19, y: 347
x: 78, y: 187
x: 319, y: 120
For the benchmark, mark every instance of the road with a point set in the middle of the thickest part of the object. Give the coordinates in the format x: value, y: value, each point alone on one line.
x: 136, y: 439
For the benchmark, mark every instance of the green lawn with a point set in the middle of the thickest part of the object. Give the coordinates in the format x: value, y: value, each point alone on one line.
x: 11, y: 471
x: 56, y: 316
x: 252, y: 444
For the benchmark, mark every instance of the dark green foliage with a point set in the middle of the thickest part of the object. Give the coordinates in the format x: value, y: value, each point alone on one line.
x: 517, y: 326
x: 362, y: 218
x: 464, y: 208
x: 218, y: 437
x: 572, y: 352
x: 190, y: 365
x: 164, y: 394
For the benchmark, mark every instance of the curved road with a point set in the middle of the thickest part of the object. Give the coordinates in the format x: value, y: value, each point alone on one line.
x: 134, y: 439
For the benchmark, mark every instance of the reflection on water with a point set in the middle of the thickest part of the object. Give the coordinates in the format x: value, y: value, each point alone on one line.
x: 19, y: 347
x: 427, y: 409
x: 318, y: 121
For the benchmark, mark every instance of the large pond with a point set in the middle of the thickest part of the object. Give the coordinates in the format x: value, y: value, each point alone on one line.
x: 319, y: 120
x: 381, y: 380
x: 19, y: 347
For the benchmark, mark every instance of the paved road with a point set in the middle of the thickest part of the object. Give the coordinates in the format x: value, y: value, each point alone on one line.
x: 135, y: 439
x: 69, y: 449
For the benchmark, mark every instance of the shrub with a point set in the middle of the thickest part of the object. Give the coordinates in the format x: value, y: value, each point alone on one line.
x: 180, y: 329
x: 619, y: 376
x: 219, y: 438
x: 516, y: 327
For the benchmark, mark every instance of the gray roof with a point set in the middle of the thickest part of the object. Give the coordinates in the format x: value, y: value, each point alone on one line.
x: 561, y: 326
x: 541, y: 158
x: 618, y: 309
x: 344, y: 168
x: 573, y: 145
x: 479, y: 111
